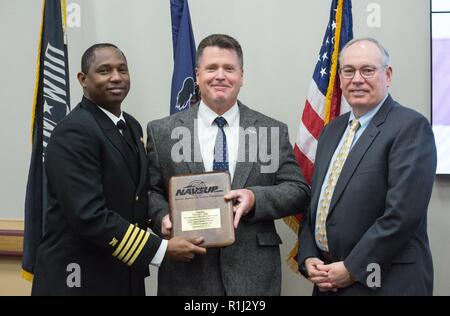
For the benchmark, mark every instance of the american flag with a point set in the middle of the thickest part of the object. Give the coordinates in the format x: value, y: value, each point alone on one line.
x: 324, y: 99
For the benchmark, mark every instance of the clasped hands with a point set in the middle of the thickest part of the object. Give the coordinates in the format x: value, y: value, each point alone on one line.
x: 328, y: 277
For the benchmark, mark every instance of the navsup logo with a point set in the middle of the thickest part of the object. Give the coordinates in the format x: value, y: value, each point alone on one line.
x: 197, y: 187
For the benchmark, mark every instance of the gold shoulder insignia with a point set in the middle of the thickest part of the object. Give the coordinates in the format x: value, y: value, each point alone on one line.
x: 113, y: 242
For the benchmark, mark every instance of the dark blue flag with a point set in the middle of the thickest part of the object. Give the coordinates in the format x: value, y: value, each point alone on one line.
x: 50, y: 105
x: 184, y: 91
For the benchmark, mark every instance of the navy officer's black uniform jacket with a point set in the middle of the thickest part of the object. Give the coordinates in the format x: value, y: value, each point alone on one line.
x: 97, y: 216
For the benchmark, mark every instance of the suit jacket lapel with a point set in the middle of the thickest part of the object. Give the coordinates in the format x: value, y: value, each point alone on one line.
x: 333, y: 136
x: 139, y: 142
x: 188, y: 120
x: 243, y: 168
x: 109, y: 129
x: 359, y: 149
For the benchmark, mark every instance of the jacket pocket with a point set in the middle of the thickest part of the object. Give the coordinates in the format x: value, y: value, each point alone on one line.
x: 268, y: 239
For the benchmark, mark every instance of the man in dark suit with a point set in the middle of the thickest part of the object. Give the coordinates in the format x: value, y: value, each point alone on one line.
x: 251, y: 266
x: 96, y: 240
x: 366, y: 231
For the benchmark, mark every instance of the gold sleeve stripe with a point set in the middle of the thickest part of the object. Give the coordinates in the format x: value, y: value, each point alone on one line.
x: 130, y: 242
x: 135, y: 244
x: 27, y: 275
x: 138, y: 251
x: 123, y: 241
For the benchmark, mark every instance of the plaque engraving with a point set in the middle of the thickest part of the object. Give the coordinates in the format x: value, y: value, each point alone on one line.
x: 198, y: 208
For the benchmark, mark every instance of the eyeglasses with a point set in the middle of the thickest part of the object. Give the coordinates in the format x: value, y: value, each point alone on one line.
x: 365, y: 72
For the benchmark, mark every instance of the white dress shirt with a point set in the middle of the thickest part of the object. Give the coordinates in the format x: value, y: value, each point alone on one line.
x: 159, y: 256
x: 207, y: 132
x: 113, y: 118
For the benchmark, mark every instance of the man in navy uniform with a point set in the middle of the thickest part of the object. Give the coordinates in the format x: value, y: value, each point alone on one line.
x: 98, y: 193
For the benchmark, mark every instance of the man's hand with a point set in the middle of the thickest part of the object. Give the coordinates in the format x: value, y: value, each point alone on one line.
x: 166, y: 226
x: 338, y: 274
x: 182, y: 249
x: 318, y: 276
x: 244, y: 203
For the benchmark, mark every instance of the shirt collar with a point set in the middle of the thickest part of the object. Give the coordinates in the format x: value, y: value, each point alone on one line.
x: 113, y: 118
x: 208, y: 116
x: 366, y: 118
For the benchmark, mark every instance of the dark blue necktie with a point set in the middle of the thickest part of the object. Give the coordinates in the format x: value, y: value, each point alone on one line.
x: 126, y: 134
x: 220, y: 162
x: 131, y: 150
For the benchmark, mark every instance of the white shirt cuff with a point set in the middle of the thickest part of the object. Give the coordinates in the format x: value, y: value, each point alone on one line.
x: 159, y: 256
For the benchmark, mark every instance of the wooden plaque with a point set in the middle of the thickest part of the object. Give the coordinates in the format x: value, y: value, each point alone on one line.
x: 198, y: 208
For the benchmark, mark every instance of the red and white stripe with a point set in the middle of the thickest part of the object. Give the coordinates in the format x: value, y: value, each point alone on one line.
x: 311, y: 125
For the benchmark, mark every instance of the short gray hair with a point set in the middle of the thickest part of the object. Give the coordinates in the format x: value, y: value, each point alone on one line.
x: 383, y: 51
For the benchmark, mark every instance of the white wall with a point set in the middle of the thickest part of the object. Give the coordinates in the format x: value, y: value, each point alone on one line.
x: 280, y: 39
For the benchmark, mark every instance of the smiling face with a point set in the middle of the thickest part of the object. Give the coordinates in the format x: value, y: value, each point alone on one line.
x: 219, y: 77
x: 363, y: 94
x: 107, y: 80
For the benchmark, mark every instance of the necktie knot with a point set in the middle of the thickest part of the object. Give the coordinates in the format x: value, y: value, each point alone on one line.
x: 121, y: 125
x: 220, y: 121
x: 355, y: 124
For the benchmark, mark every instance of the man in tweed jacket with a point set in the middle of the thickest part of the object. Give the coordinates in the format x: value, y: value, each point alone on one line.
x: 262, y: 191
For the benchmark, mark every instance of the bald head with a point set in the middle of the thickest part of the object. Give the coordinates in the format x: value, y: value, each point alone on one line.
x: 364, y: 43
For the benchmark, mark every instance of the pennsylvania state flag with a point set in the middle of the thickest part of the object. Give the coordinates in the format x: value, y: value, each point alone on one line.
x: 184, y: 91
x: 50, y: 105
